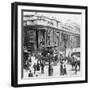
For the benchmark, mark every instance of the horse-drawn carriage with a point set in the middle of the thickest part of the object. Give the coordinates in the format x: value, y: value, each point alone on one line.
x: 74, y: 60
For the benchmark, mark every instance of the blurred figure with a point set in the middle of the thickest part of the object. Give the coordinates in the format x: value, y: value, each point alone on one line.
x: 61, y: 68
x: 75, y: 61
x: 38, y: 65
x: 30, y: 74
x: 64, y: 68
x: 35, y: 68
x: 35, y: 65
x: 50, y: 68
x: 42, y: 67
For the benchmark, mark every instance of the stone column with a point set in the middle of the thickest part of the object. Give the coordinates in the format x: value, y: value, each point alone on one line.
x: 39, y: 39
x: 45, y: 38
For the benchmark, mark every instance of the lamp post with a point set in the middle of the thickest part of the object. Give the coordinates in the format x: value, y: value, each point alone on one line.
x: 50, y: 69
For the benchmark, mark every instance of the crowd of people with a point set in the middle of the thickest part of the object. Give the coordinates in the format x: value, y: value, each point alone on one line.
x: 36, y: 64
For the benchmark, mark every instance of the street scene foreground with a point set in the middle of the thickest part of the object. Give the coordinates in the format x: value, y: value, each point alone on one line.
x: 37, y: 68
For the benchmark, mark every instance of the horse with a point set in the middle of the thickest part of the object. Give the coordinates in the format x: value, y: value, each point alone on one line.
x: 75, y: 62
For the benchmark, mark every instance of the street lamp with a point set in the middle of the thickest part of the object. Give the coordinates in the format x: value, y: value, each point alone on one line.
x: 50, y: 69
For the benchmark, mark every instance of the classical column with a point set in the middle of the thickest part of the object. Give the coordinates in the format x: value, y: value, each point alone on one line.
x: 53, y: 38
x: 45, y: 37
x: 36, y: 39
x: 60, y: 38
x: 35, y: 42
x: 39, y: 39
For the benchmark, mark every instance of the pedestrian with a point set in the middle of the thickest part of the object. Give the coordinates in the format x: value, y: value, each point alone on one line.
x: 65, y: 72
x: 75, y: 67
x: 38, y: 66
x: 56, y: 57
x: 35, y: 68
x: 75, y: 61
x: 50, y: 70
x: 61, y: 68
x: 64, y: 67
x: 42, y: 67
x: 33, y: 59
x: 30, y: 74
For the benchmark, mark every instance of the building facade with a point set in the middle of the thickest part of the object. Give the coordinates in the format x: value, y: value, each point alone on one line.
x: 42, y: 32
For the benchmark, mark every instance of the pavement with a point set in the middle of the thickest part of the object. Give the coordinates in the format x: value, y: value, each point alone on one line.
x: 56, y: 72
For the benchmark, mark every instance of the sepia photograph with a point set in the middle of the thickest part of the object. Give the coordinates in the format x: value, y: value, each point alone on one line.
x: 49, y: 44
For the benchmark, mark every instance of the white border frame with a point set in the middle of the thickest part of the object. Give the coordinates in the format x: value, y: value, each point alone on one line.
x: 22, y: 81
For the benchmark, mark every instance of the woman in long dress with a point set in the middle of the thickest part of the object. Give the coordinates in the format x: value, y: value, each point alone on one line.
x: 32, y: 63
